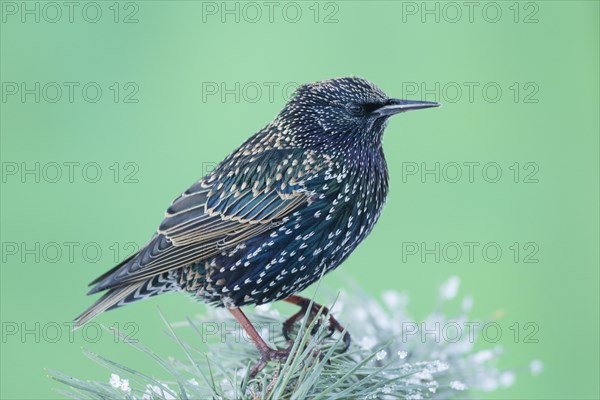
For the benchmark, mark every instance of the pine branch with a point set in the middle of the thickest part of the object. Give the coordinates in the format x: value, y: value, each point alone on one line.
x: 387, y: 360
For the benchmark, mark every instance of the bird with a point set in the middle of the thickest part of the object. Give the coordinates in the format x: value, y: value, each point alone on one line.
x: 287, y: 206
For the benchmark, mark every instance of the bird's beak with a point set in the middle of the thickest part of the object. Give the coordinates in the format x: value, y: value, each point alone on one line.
x: 395, y: 106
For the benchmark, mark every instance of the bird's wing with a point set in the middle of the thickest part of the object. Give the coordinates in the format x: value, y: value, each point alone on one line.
x: 244, y: 196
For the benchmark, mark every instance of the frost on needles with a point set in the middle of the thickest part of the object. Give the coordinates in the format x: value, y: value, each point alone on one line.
x: 392, y: 356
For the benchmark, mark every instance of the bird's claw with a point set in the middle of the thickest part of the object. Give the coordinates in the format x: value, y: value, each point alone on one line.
x: 333, y: 324
x: 266, y: 356
x: 347, y: 340
x: 287, y: 326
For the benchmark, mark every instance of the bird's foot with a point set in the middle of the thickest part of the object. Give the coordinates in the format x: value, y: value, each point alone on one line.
x: 267, y: 355
x: 304, y: 303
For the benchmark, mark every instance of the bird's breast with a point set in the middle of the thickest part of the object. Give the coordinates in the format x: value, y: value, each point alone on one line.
x: 345, y: 203
x: 358, y: 202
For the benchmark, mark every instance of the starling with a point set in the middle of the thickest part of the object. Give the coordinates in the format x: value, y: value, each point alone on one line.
x: 290, y: 204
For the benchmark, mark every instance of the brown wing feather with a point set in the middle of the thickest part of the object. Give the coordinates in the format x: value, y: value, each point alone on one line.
x: 214, y: 214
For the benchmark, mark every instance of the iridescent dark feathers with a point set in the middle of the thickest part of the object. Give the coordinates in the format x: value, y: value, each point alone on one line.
x: 295, y: 199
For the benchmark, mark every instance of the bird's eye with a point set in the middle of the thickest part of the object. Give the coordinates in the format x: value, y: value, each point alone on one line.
x: 355, y: 109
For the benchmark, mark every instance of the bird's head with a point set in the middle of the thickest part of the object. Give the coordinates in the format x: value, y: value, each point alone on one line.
x: 341, y: 113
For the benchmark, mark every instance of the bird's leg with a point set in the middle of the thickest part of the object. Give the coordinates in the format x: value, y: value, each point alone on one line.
x: 266, y: 353
x: 303, y: 303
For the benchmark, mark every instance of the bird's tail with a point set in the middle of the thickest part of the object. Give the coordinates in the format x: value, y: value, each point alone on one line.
x: 111, y: 299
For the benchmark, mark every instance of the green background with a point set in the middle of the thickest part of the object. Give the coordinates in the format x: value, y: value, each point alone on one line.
x: 176, y: 130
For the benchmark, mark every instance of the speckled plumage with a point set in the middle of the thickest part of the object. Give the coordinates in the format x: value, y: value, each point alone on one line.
x: 293, y: 200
